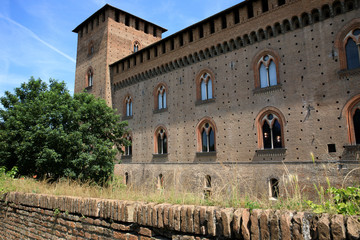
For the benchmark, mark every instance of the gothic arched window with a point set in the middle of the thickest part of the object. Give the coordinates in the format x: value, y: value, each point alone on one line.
x: 161, y: 95
x: 267, y: 71
x: 271, y: 132
x: 352, y: 49
x: 161, y: 141
x: 129, y: 106
x: 206, y: 136
x: 128, y: 149
x: 206, y: 87
x: 90, y: 76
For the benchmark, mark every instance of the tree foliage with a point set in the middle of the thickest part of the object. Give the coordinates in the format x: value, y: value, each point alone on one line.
x: 44, y: 131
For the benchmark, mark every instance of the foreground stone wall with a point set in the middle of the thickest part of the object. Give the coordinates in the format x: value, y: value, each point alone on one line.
x: 34, y: 216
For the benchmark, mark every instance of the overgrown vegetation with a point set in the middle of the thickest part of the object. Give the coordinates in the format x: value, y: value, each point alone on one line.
x: 335, y: 200
x: 47, y: 133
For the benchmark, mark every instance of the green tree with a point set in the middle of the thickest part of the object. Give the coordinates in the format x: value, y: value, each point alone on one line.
x: 44, y: 131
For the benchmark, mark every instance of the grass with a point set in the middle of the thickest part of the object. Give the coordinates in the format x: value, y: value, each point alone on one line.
x: 293, y: 196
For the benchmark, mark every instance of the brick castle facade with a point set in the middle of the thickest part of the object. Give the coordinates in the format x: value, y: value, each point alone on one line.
x: 247, y: 96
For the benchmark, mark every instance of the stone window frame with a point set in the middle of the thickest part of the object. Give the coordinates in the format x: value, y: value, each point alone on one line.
x: 136, y: 43
x: 89, y: 72
x: 156, y: 97
x: 128, y: 98
x: 259, y: 123
x: 198, y: 80
x: 341, y: 40
x: 199, y: 129
x: 156, y: 147
x: 256, y: 64
x: 348, y: 112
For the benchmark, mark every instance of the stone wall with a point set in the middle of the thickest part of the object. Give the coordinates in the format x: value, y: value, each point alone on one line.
x: 34, y: 216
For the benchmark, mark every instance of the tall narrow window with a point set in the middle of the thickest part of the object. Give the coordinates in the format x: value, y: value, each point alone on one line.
x: 267, y: 71
x: 161, y: 139
x: 206, y: 87
x: 128, y: 149
x: 271, y: 132
x: 352, y: 49
x: 207, y: 138
x: 129, y: 106
x: 90, y: 78
x: 356, y: 122
x: 126, y: 178
x: 160, y: 181
x: 136, y: 46
x: 161, y: 97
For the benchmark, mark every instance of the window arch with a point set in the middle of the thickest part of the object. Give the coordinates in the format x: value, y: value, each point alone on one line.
x: 352, y: 114
x: 205, y: 85
x: 136, y: 46
x: 161, y: 141
x: 206, y: 136
x: 160, y: 98
x: 348, y: 44
x: 266, y: 69
x: 270, y: 128
x: 128, y: 106
x: 89, y: 77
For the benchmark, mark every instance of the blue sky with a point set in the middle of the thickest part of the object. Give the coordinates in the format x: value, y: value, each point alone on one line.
x: 37, y: 39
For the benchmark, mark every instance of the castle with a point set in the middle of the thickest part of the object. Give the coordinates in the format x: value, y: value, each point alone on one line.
x: 248, y: 95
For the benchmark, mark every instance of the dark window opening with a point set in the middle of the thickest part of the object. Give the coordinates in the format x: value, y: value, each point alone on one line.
x: 160, y: 181
x: 181, y: 41
x: 162, y: 142
x: 281, y: 2
x: 208, y: 181
x: 117, y: 68
x: 97, y: 20
x: 122, y: 66
x: 103, y: 17
x: 146, y: 28
x: 278, y: 28
x: 137, y: 24
x: 305, y: 19
x: 337, y: 8
x: 126, y: 178
x: 163, y: 46
x: 315, y: 15
x: 127, y: 20
x: 201, y: 31
x: 134, y: 61
x: 326, y: 11
x: 212, y: 26
x: 92, y: 25
x: 236, y: 16
x: 172, y: 44
x: 128, y: 63
x: 191, y: 35
x: 141, y: 57
x: 154, y: 32
x: 269, y: 32
x: 356, y: 122
x: 117, y: 16
x: 223, y: 22
x: 148, y: 54
x: 155, y: 51
x: 250, y: 10
x: 331, y: 148
x: 274, y: 188
x: 271, y: 130
x: 264, y: 5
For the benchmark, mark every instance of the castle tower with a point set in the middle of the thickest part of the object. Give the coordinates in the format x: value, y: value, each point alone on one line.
x: 108, y: 35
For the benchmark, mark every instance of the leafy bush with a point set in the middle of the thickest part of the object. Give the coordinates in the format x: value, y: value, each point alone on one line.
x: 46, y: 132
x: 343, y: 201
x: 5, y: 176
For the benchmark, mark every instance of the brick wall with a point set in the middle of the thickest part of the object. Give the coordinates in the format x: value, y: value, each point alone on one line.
x: 34, y: 216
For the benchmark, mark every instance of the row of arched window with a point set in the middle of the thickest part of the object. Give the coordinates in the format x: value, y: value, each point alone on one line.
x: 270, y: 130
x: 270, y: 127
